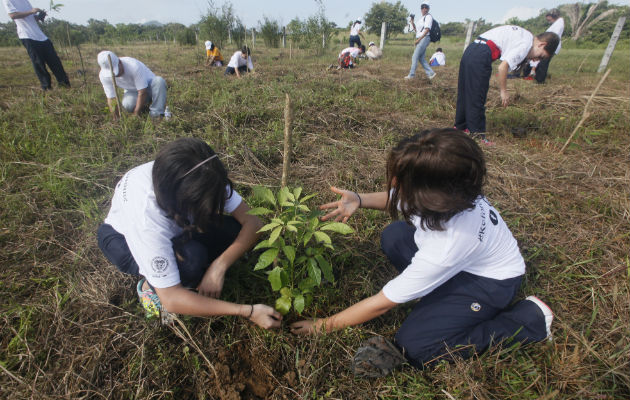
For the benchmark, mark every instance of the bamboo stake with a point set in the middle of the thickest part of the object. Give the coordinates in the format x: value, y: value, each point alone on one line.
x: 287, y: 140
x: 111, y: 69
x: 586, y: 114
x: 582, y: 63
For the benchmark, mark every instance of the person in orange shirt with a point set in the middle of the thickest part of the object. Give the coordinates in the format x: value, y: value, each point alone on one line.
x: 213, y: 55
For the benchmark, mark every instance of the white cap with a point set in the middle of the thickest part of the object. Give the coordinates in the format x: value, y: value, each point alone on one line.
x: 359, y: 19
x: 425, y: 3
x: 371, y: 44
x: 103, y: 62
x: 208, y: 44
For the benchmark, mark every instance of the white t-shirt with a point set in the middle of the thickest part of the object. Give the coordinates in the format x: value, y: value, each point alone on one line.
x: 476, y: 241
x: 237, y: 60
x: 136, y: 215
x: 513, y: 41
x: 354, y: 51
x: 135, y: 76
x: 426, y: 23
x: 439, y: 57
x: 557, y: 28
x: 27, y: 28
x: 355, y: 29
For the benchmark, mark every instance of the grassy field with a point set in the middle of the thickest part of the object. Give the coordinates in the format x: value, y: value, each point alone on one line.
x: 71, y: 325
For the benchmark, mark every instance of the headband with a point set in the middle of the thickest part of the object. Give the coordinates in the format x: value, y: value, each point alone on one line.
x: 200, y: 164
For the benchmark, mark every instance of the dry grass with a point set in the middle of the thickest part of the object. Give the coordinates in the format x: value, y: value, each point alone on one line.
x: 72, y: 328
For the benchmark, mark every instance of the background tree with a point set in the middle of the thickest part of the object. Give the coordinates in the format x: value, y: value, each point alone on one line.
x: 218, y: 24
x: 394, y: 14
x: 270, y: 31
x: 582, y: 18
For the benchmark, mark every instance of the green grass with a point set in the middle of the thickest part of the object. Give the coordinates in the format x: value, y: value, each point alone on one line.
x: 71, y: 325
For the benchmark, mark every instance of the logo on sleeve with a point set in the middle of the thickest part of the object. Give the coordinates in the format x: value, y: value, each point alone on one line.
x: 493, y: 218
x: 159, y: 264
x: 475, y: 307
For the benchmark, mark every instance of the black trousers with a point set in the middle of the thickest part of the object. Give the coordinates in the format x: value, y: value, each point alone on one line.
x: 466, y: 314
x: 196, y: 255
x: 232, y: 71
x: 541, y: 70
x: 42, y: 54
x: 475, y: 71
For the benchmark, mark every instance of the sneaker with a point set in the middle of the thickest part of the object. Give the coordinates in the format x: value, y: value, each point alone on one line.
x: 546, y: 312
x: 529, y: 78
x: 149, y: 300
x: 487, y: 142
x: 409, y: 77
x: 432, y: 76
x: 376, y: 357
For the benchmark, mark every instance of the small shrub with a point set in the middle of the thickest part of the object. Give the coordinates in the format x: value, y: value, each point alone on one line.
x: 297, y: 246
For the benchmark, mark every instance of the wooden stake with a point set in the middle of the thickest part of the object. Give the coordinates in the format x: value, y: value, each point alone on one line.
x: 468, y: 34
x: 586, y: 114
x: 383, y: 34
x: 611, y: 45
x: 582, y: 63
x: 111, y: 69
x: 291, y: 50
x: 287, y: 140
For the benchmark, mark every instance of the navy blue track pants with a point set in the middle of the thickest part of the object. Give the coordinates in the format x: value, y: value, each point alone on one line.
x: 195, y: 255
x: 475, y: 71
x: 466, y: 314
x: 43, y: 53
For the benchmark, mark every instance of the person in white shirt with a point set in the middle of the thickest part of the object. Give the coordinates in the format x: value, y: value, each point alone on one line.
x: 240, y: 63
x: 422, y: 42
x: 142, y: 87
x: 40, y: 49
x: 512, y: 45
x: 373, y: 52
x: 166, y: 224
x: 557, y: 27
x: 355, y: 32
x: 438, y: 58
x: 347, y: 57
x: 453, y: 251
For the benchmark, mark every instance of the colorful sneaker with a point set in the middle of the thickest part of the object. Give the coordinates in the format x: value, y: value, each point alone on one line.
x: 376, y: 357
x: 546, y: 312
x: 149, y: 300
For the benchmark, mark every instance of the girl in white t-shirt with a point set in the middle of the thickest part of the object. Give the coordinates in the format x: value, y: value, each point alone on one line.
x: 355, y: 32
x: 166, y: 224
x: 453, y: 252
x: 240, y: 63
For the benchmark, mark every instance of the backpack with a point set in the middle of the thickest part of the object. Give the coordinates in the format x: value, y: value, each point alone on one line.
x: 345, y: 60
x: 435, y: 34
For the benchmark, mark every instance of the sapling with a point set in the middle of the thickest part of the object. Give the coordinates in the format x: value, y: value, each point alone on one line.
x: 297, y: 246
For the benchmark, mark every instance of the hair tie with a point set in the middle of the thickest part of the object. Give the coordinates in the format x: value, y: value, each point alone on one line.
x: 200, y: 164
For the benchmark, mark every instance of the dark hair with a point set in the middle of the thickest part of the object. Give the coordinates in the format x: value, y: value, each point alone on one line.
x: 212, y: 46
x: 554, y: 13
x: 194, y: 199
x: 552, y: 40
x: 439, y: 49
x: 434, y: 175
x: 362, y: 48
x: 424, y: 5
x: 245, y: 50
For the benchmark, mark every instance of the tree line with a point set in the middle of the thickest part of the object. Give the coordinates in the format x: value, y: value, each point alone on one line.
x: 587, y: 24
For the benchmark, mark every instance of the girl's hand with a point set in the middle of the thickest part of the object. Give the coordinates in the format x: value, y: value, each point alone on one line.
x: 306, y: 327
x: 212, y: 282
x: 505, y: 98
x: 344, y: 207
x: 265, y: 316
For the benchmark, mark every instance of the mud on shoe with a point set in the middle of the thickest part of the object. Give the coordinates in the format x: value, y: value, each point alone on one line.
x: 375, y: 358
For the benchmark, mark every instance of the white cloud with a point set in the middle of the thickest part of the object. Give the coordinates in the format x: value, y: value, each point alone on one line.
x: 522, y: 13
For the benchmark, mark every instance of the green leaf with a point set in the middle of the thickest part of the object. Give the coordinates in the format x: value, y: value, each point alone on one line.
x: 300, y: 260
x: 268, y: 227
x: 298, y: 303
x: 259, y: 211
x: 283, y: 305
x: 314, y: 272
x: 262, y: 245
x: 266, y: 259
x: 308, y: 197
x: 297, y: 192
x: 313, y: 223
x: 326, y: 268
x: 285, y: 292
x: 264, y: 194
x: 338, y: 227
x: 291, y: 228
x: 304, y: 208
x: 289, y: 251
x: 275, y: 278
x: 306, y: 285
x: 322, y: 237
x: 274, y: 235
x: 307, y: 237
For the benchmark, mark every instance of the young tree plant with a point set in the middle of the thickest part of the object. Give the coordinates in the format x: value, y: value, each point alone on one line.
x: 298, y: 246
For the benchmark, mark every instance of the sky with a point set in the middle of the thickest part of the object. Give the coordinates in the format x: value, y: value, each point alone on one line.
x: 251, y: 11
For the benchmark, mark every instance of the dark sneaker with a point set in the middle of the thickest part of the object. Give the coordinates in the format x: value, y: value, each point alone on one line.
x: 376, y: 357
x: 546, y: 312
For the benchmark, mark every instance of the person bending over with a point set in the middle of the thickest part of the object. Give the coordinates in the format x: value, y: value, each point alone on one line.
x: 213, y: 55
x: 166, y: 225
x: 240, y: 63
x: 453, y: 251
